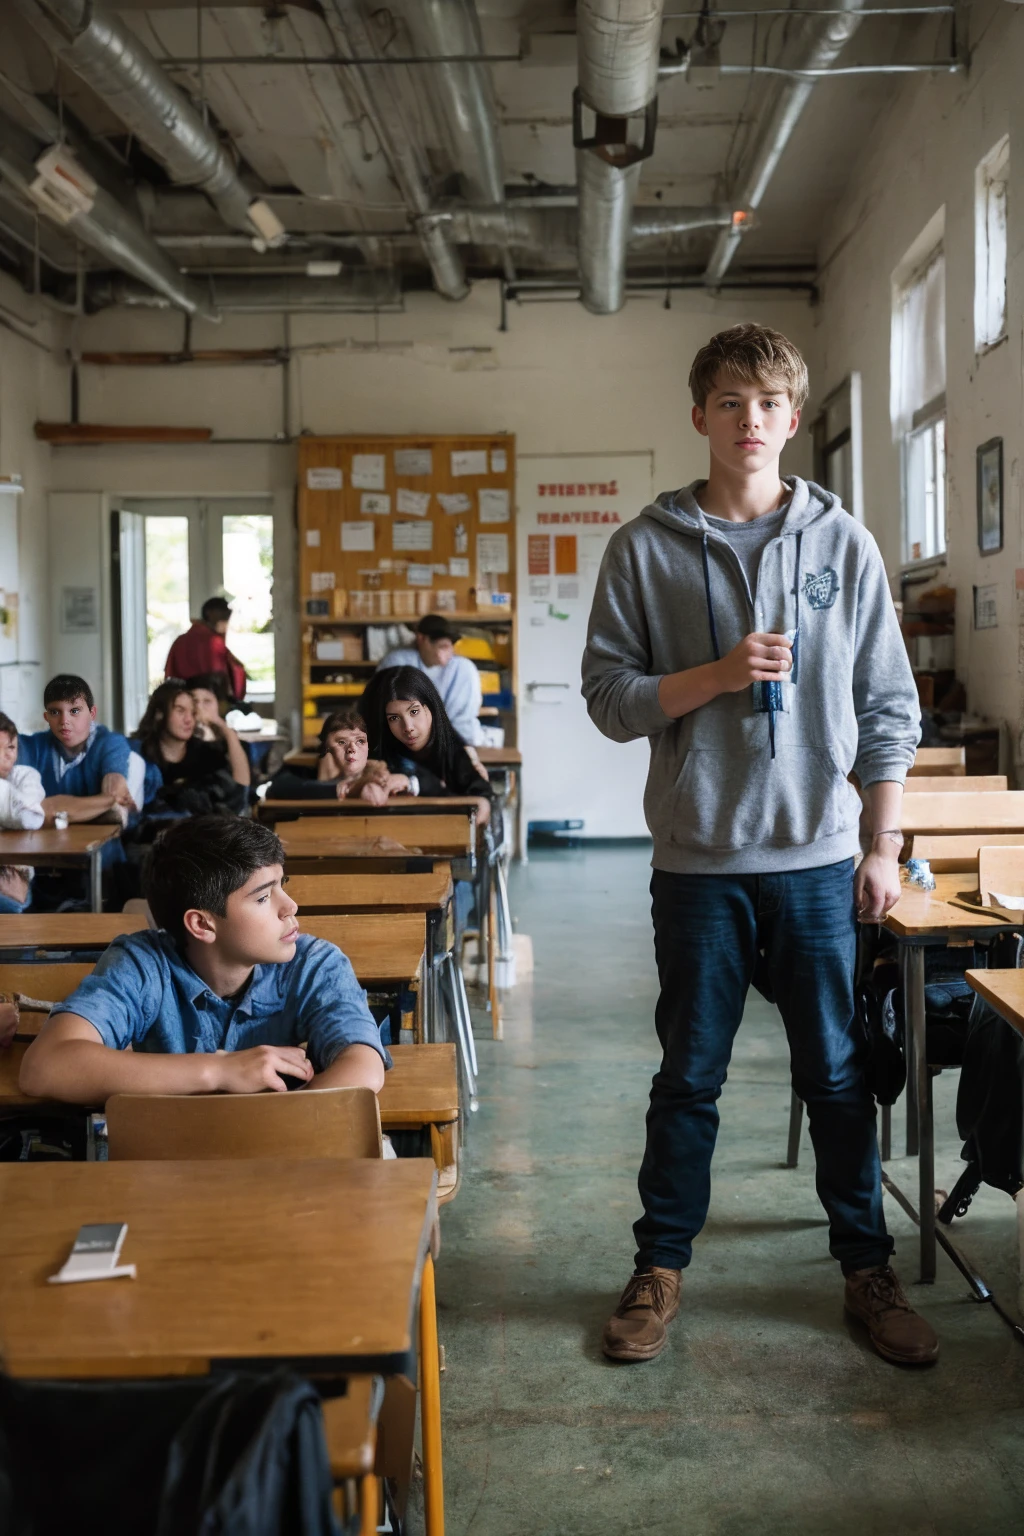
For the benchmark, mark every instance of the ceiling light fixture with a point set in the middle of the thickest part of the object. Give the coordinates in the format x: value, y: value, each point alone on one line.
x: 61, y: 186
x: 323, y: 268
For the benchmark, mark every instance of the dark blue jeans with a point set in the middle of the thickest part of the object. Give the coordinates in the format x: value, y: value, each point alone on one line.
x: 799, y: 930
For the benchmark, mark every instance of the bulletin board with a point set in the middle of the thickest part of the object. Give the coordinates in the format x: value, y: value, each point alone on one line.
x: 395, y: 527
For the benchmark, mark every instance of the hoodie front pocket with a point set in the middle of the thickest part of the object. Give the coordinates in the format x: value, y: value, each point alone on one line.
x: 721, y: 800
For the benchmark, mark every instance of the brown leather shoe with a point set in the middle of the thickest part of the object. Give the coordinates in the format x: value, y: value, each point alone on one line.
x: 636, y: 1329
x: 876, y: 1297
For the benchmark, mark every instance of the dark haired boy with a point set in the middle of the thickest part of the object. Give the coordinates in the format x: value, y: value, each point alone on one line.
x: 220, y: 997
x: 744, y: 625
x: 84, y: 766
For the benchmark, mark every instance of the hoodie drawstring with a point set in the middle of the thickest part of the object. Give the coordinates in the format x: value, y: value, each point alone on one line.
x: 770, y: 694
x: 707, y: 594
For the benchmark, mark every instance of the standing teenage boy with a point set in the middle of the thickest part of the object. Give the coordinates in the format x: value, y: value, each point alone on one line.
x: 745, y: 626
x: 221, y: 998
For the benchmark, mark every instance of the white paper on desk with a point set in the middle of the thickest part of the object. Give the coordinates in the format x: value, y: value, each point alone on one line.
x: 412, y: 536
x: 494, y: 506
x: 368, y: 471
x: 95, y: 1253
x: 1013, y: 903
x: 455, y: 503
x: 492, y: 553
x: 375, y: 505
x: 357, y: 537
x: 414, y: 461
x: 412, y: 503
x: 469, y: 461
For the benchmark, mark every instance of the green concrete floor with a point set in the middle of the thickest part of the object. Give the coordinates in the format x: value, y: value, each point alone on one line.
x: 767, y: 1412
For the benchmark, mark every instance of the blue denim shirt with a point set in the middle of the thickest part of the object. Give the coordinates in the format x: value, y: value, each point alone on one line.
x: 144, y: 994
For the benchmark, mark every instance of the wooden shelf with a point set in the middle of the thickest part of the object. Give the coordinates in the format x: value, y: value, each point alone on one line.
x: 484, y: 616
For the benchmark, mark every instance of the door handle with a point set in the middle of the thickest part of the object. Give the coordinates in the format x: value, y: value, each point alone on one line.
x: 547, y: 685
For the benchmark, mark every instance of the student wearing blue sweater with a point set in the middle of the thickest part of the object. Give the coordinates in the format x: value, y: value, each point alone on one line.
x: 83, y: 765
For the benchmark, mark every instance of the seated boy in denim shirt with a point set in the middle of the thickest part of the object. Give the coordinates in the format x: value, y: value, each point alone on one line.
x: 220, y: 997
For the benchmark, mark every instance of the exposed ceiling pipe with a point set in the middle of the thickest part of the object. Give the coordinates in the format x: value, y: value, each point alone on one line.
x: 358, y: 290
x: 105, y: 227
x: 543, y: 230
x: 824, y: 41
x: 463, y: 93
x: 376, y: 89
x: 113, y: 62
x: 618, y: 44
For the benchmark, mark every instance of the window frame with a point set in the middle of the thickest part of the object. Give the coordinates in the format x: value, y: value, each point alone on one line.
x: 924, y: 420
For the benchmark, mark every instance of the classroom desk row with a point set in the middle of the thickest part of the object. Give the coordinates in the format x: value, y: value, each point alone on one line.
x: 359, y: 1302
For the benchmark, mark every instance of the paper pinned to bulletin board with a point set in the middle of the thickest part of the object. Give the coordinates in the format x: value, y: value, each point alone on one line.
x: 449, y: 500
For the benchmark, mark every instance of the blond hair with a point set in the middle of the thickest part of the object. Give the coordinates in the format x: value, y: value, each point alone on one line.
x: 752, y: 354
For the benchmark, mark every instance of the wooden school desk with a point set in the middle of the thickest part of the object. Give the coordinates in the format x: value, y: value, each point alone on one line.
x: 76, y: 847
x: 936, y: 784
x: 67, y: 930
x: 918, y: 920
x: 334, y: 1293
x: 1004, y: 990
x: 507, y: 763
x: 397, y: 805
x: 958, y: 851
x: 956, y: 811
x: 445, y: 836
x: 948, y: 761
x: 420, y: 1092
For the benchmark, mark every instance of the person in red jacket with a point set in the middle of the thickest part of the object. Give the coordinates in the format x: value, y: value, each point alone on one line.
x: 205, y: 649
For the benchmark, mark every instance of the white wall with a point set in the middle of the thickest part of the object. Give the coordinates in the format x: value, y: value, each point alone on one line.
x: 922, y: 156
x: 563, y: 381
x: 33, y: 385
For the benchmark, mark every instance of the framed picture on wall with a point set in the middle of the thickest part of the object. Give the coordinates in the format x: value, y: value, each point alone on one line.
x: 990, y: 496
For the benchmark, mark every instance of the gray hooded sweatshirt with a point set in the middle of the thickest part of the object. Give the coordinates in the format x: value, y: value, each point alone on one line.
x: 731, y: 789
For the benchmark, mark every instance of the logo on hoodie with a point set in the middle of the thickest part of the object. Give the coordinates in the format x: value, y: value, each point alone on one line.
x: 821, y: 591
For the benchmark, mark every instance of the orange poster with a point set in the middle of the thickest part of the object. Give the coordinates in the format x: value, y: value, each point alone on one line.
x: 565, y: 554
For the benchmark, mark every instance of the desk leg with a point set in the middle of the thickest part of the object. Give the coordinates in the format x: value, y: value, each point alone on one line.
x: 430, y: 1405
x: 920, y: 1087
x: 368, y: 1506
x: 96, y: 879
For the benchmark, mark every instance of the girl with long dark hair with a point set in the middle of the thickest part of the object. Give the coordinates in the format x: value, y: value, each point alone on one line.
x: 409, y: 729
x: 194, y: 776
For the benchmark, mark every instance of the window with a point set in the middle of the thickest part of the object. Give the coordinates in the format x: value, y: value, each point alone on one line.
x: 918, y: 391
x: 990, y: 181
x: 249, y: 573
x: 924, y: 490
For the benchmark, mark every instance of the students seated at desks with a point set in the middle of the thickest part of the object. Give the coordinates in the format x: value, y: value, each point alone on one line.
x: 84, y: 766
x: 218, y: 999
x: 193, y: 774
x: 455, y: 677
x: 344, y: 770
x: 210, y: 697
x: 21, y: 809
x: 409, y: 728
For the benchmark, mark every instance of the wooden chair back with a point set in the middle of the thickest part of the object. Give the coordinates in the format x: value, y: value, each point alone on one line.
x: 382, y: 946
x: 316, y: 1122
x: 45, y: 983
x: 371, y: 892
x: 958, y: 852
x: 948, y: 761
x: 995, y: 811
x: 1001, y: 870
x: 981, y: 783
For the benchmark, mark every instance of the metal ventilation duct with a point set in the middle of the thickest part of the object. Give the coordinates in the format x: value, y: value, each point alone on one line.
x: 618, y: 45
x: 540, y: 231
x: 358, y: 290
x: 106, y: 228
x: 825, y: 40
x: 108, y: 56
x: 377, y: 91
x: 462, y: 93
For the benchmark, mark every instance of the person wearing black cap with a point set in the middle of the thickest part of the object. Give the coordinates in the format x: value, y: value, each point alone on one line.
x: 455, y: 677
x: 204, y: 648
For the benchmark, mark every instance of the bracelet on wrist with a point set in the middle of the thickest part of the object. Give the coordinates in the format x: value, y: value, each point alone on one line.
x: 893, y: 833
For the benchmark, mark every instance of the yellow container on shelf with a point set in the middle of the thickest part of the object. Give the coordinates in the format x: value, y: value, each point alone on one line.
x: 490, y: 682
x: 476, y: 647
